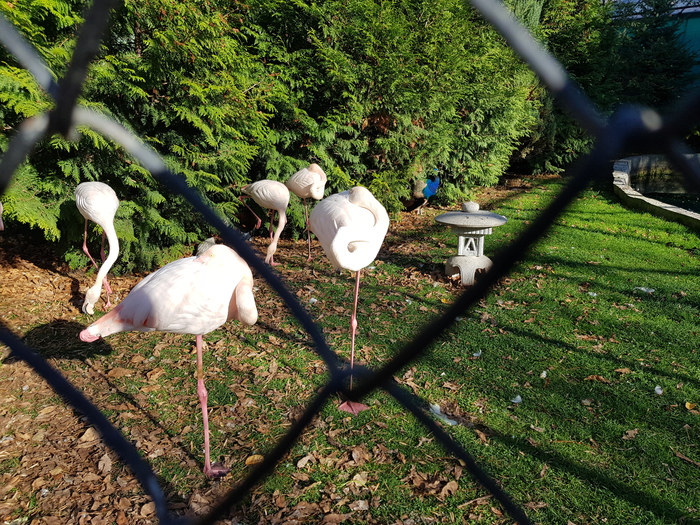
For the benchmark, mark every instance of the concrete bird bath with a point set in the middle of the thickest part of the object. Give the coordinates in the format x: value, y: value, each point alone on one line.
x: 471, y: 225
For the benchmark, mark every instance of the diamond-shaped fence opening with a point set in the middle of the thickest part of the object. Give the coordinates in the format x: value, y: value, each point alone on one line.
x: 629, y: 126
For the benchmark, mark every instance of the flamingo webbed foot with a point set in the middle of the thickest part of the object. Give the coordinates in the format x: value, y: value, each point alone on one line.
x: 216, y: 470
x: 353, y: 407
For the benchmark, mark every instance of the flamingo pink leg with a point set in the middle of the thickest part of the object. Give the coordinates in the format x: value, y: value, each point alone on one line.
x: 272, y: 257
x: 353, y: 407
x: 259, y: 221
x: 216, y: 470
x: 85, y: 247
x: 272, y: 217
x: 102, y: 248
x: 308, y: 230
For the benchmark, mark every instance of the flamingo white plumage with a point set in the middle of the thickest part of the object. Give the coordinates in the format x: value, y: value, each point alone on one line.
x: 195, y: 295
x: 309, y: 182
x: 351, y: 227
x: 273, y: 195
x: 97, y: 202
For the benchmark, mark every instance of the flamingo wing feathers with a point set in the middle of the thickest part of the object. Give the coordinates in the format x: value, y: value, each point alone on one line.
x: 308, y: 182
x: 270, y: 194
x: 97, y: 202
x: 190, y: 296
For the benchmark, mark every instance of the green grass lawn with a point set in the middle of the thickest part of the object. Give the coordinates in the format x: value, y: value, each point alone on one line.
x: 602, y: 311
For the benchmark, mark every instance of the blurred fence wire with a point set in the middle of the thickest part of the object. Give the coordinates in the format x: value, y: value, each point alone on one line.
x: 641, y: 128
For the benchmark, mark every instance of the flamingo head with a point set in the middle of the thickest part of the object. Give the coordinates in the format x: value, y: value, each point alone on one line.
x: 87, y: 336
x: 91, y: 297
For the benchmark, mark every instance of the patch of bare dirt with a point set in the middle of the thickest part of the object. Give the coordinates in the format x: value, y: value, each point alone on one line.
x: 52, y: 465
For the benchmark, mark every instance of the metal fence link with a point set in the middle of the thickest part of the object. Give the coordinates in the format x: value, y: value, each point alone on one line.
x: 641, y: 127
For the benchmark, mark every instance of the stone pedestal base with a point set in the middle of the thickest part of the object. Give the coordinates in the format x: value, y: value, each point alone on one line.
x: 466, y: 266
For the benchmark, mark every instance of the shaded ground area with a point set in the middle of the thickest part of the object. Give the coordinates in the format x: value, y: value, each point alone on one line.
x: 51, y: 462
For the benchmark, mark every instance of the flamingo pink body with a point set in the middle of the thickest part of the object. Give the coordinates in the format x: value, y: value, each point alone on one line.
x: 309, y: 182
x: 195, y: 295
x: 273, y: 195
x: 97, y: 202
x: 351, y: 227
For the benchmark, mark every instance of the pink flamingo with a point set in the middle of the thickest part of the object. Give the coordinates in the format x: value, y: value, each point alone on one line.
x: 351, y: 227
x: 98, y: 202
x: 274, y: 195
x: 2, y: 225
x: 195, y: 295
x: 305, y: 183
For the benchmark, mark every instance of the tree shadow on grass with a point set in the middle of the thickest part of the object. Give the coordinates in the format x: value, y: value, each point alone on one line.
x: 59, y: 340
x: 571, y: 386
x: 598, y: 478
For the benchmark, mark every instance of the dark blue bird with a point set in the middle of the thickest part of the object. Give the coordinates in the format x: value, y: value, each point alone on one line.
x: 422, y: 192
x: 431, y: 186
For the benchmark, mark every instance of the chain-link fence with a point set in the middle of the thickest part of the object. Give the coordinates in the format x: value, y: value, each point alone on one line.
x: 641, y: 128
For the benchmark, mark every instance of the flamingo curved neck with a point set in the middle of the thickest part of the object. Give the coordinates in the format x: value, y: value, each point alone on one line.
x: 361, y: 197
x: 272, y: 248
x: 113, y: 242
x: 93, y: 293
x: 354, y: 248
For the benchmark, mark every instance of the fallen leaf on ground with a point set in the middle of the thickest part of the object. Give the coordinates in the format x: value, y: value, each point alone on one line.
x: 360, y: 504
x: 482, y: 436
x: 631, y: 434
x: 686, y: 458
x: 254, y: 459
x: 478, y: 501
x: 449, y: 489
x: 105, y: 464
x: 623, y: 370
x: 598, y: 378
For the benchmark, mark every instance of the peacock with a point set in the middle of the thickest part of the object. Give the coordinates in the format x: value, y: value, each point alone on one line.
x: 423, y: 190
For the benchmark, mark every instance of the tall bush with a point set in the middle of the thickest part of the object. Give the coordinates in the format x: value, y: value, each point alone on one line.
x: 380, y: 93
x: 619, y: 53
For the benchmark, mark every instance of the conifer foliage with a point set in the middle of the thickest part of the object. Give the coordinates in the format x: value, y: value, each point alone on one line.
x: 178, y: 74
x: 378, y: 92
x: 383, y: 92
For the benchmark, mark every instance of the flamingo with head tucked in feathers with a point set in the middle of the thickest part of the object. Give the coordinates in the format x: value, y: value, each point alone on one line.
x: 309, y: 182
x: 97, y: 202
x: 351, y: 227
x: 273, y: 195
x: 195, y: 295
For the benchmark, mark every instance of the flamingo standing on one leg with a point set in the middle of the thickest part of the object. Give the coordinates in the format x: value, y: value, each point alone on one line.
x: 273, y: 195
x: 98, y: 202
x: 194, y: 296
x: 351, y: 227
x: 305, y: 183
